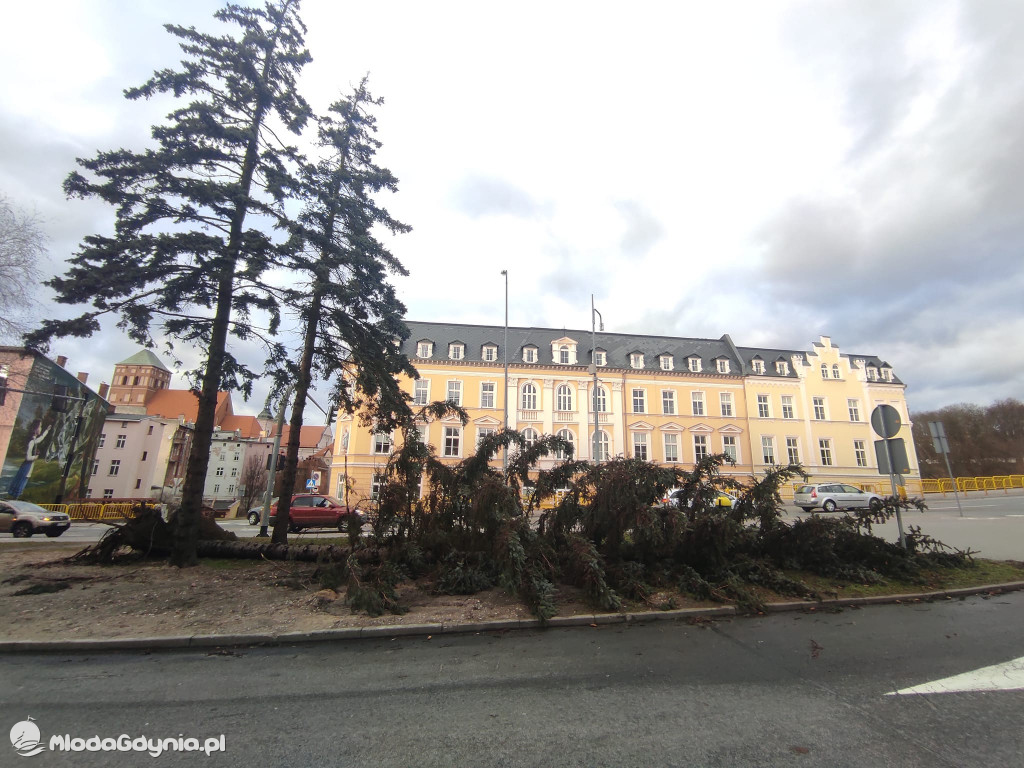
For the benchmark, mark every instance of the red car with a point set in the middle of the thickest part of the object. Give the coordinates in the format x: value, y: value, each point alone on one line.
x: 314, y: 510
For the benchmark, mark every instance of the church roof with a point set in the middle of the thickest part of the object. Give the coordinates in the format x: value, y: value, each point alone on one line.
x: 145, y: 357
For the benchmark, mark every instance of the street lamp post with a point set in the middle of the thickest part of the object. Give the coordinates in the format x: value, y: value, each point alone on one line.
x: 272, y: 469
x: 594, y: 314
x: 504, y: 349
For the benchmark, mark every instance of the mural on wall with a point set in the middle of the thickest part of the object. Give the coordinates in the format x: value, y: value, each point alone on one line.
x: 43, y: 438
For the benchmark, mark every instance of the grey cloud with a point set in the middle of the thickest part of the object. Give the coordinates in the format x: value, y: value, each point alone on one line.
x: 479, y: 196
x: 643, y: 230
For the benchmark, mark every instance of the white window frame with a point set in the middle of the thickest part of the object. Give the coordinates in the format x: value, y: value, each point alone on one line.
x: 853, y: 407
x: 456, y: 389
x: 697, y: 405
x: 219, y: 472
x: 563, y: 398
x: 886, y: 374
x: 421, y: 387
x: 860, y: 453
x: 835, y: 371
x: 725, y: 405
x: 603, y: 446
x: 825, y: 451
x: 641, y: 446
x: 757, y: 366
x: 782, y: 367
x: 788, y: 408
x: 491, y: 394
x: 529, y: 354
x: 666, y: 362
x: 530, y: 436
x: 636, y: 360
x: 700, y: 448
x: 563, y: 355
x: 824, y: 371
x: 820, y: 408
x: 383, y: 443
x: 451, y: 443
x: 376, y: 483
x: 793, y: 450
x: 600, y: 398
x: 424, y: 349
x: 489, y: 353
x: 569, y: 437
x: 764, y: 406
x: 872, y: 373
x: 482, y: 432
x: 599, y: 358
x: 694, y: 364
x: 639, y: 397
x: 115, y: 467
x: 768, y: 450
x: 121, y: 440
x: 670, y: 442
x: 668, y: 402
x: 731, y: 448
x: 528, y: 396
x: 722, y: 365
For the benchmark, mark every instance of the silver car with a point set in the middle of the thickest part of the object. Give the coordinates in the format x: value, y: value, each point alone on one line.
x: 832, y: 496
x: 22, y: 519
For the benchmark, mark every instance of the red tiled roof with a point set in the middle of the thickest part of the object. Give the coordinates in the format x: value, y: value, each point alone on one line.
x: 172, y: 403
x: 247, y: 426
x: 309, y: 437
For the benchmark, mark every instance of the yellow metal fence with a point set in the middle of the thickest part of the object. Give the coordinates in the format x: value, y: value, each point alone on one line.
x: 94, y: 510
x: 995, y: 483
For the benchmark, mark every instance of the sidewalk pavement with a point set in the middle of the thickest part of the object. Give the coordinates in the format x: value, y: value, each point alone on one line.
x: 429, y: 630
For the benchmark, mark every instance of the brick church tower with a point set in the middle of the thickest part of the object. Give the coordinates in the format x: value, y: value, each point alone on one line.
x: 136, y: 380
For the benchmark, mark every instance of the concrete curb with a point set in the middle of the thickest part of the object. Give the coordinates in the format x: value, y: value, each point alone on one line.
x: 429, y: 630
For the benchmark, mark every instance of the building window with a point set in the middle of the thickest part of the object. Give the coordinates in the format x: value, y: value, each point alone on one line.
x: 219, y: 472
x: 640, y: 446
x: 697, y: 403
x: 792, y: 450
x: 787, y: 407
x: 456, y: 351
x: 529, y: 397
x: 819, y: 408
x: 757, y: 365
x: 382, y: 442
x: 421, y: 392
x: 825, y: 446
x: 455, y: 391
x: 725, y: 399
x: 529, y: 436
x: 424, y: 349
x: 376, y: 485
x: 529, y: 354
x: 566, y: 435
x: 95, y: 467
x: 824, y: 370
x: 108, y: 493
x: 216, y: 488
x: 639, y: 401
x: 666, y: 362
x: 563, y: 355
x: 115, y: 467
x: 483, y: 432
x: 723, y: 366
x: 602, y: 446
x: 700, y: 447
x: 668, y: 402
x: 144, y: 455
x: 782, y: 368
x: 490, y: 353
x: 636, y: 360
x: 671, y: 447
x: 150, y: 432
x: 835, y: 372
x: 452, y: 441
x: 885, y: 374
x: 234, y: 471
x: 487, y: 390
x: 694, y: 364
x: 854, y: 408
x: 860, y: 453
x: 563, y: 398
x: 763, y: 407
x: 729, y: 447
x: 872, y: 374
x: 768, y: 449
x: 103, y: 439
x: 231, y: 488
x: 601, y: 400
x: 599, y: 358
x: 138, y: 484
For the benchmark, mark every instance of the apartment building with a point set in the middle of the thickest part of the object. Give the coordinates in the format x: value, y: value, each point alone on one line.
x: 665, y: 399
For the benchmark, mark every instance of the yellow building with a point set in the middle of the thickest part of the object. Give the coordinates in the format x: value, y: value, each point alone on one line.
x: 665, y: 399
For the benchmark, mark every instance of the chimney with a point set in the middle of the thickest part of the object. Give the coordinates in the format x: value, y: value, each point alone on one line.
x: 83, y: 376
x: 61, y: 359
x: 104, y: 388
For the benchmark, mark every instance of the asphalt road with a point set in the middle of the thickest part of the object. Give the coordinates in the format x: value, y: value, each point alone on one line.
x: 783, y: 690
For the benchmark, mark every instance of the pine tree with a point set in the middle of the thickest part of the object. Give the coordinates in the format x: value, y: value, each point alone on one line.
x: 351, y: 317
x: 184, y: 256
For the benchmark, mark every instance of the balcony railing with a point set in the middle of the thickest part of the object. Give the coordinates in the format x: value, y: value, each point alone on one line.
x: 529, y: 416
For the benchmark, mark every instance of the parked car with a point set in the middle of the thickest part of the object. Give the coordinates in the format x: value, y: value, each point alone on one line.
x: 22, y: 519
x: 674, y: 495
x: 314, y: 510
x: 832, y: 496
x: 255, y: 513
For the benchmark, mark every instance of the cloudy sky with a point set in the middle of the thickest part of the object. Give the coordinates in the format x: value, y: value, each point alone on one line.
x: 771, y: 170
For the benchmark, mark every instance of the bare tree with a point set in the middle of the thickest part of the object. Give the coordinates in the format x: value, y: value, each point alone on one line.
x: 22, y: 249
x: 254, y: 478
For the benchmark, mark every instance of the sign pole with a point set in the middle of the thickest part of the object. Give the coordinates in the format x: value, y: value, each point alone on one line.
x: 895, y: 493
x: 886, y: 422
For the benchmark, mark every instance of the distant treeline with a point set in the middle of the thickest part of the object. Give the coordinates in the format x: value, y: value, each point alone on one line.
x: 982, y: 441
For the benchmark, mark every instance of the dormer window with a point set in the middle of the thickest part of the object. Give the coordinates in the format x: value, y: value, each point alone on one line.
x: 859, y: 362
x: 722, y: 365
x: 489, y: 353
x: 667, y: 364
x: 456, y: 350
x: 563, y: 355
x: 885, y: 374
x: 758, y: 366
x: 636, y: 360
x: 872, y: 374
x: 529, y: 354
x: 782, y: 368
x: 694, y: 364
x: 835, y: 372
x: 424, y: 349
x: 600, y: 358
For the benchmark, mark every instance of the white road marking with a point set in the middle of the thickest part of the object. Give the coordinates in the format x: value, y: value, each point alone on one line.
x: 1008, y: 676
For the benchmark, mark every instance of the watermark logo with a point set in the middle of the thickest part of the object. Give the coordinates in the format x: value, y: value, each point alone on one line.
x: 25, y: 738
